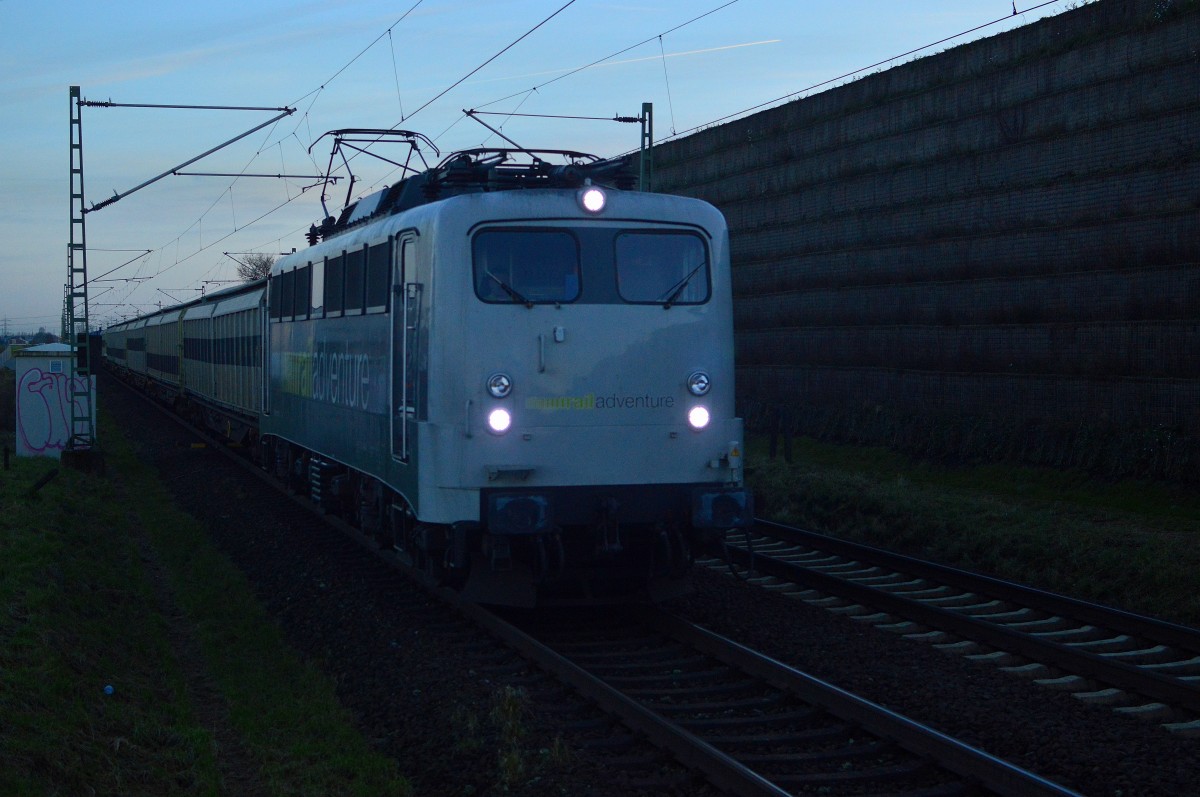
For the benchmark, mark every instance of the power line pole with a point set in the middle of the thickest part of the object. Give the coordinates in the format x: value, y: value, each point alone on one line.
x: 75, y: 299
x: 75, y: 305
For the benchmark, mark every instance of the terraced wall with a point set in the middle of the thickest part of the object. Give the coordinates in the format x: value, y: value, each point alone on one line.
x: 989, y: 253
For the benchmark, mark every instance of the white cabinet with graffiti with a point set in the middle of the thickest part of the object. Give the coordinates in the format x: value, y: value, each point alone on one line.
x: 44, y: 399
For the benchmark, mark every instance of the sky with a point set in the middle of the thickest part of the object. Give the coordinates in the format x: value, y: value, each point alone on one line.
x: 415, y: 65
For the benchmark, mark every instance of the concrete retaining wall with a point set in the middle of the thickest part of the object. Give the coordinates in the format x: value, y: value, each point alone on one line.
x: 1004, y: 235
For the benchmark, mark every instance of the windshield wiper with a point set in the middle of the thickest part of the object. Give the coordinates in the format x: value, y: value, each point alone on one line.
x: 512, y: 293
x: 678, y: 287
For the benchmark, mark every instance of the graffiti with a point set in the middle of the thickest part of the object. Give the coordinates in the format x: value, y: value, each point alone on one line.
x: 43, y: 411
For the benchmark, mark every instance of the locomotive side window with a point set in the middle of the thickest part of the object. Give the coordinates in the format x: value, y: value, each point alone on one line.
x: 317, y: 301
x: 333, y: 286
x: 287, y: 294
x: 276, y: 297
x: 303, y: 292
x: 379, y: 273
x: 354, y: 281
x: 526, y: 266
x: 662, y: 268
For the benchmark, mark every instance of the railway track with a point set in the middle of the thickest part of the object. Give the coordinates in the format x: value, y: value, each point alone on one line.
x: 1138, y: 665
x: 348, y: 598
x: 754, y: 726
x: 749, y: 725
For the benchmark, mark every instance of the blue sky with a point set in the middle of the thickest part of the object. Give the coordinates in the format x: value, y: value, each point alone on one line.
x: 299, y: 54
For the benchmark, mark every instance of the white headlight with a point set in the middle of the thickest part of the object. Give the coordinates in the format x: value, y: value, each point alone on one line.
x: 499, y: 421
x: 698, y: 383
x: 499, y: 385
x: 592, y: 199
x: 698, y: 417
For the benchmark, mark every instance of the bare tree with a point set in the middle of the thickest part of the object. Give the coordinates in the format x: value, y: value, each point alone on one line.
x: 255, y: 266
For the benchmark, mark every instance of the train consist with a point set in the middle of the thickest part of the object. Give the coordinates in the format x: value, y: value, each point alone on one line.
x: 519, y: 375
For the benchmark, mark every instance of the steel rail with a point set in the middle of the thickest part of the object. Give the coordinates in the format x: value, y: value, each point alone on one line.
x: 970, y: 762
x: 1117, y: 619
x: 1147, y: 683
x: 722, y: 770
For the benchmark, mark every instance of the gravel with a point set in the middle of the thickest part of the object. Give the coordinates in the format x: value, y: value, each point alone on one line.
x: 466, y: 717
x: 1086, y: 748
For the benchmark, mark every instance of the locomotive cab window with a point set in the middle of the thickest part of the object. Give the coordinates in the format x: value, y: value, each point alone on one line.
x: 662, y: 268
x: 526, y: 266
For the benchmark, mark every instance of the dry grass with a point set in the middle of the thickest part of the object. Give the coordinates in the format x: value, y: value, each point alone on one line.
x: 82, y: 585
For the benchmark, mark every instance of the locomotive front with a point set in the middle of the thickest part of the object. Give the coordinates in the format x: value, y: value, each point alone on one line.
x: 581, y: 428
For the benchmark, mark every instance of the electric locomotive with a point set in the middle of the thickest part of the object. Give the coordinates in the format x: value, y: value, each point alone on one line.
x: 518, y: 375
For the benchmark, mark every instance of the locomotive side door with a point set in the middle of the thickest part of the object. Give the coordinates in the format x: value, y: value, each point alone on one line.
x: 406, y: 318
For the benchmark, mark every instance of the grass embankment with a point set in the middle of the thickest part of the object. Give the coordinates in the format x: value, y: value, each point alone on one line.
x: 104, y: 583
x: 1132, y: 545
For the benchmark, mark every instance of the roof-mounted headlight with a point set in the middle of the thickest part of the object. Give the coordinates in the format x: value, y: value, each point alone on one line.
x: 592, y: 199
x: 698, y: 383
x: 499, y: 385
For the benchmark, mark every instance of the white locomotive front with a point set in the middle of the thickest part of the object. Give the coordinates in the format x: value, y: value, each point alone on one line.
x: 580, y: 431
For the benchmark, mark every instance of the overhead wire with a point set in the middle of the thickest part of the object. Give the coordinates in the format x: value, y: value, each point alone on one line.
x: 396, y: 74
x: 459, y: 82
x: 527, y: 93
x: 465, y: 77
x: 505, y: 49
x: 305, y: 120
x: 610, y: 56
x: 362, y: 52
x: 667, y: 80
x: 314, y: 94
x: 508, y: 116
x: 913, y: 51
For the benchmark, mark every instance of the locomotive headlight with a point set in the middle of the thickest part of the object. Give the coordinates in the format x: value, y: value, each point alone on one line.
x: 499, y: 385
x: 698, y: 418
x: 592, y: 199
x: 698, y: 383
x: 499, y: 420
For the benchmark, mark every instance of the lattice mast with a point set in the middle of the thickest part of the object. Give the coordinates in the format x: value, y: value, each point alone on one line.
x: 75, y: 310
